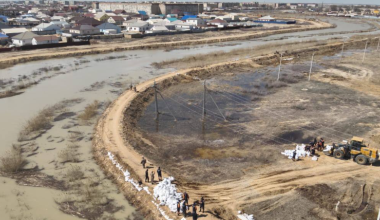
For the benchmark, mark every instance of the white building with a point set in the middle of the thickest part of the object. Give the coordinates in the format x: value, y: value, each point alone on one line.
x: 23, y: 38
x: 46, y: 27
x: 40, y: 40
x: 196, y: 21
x: 157, y: 29
x: 136, y: 26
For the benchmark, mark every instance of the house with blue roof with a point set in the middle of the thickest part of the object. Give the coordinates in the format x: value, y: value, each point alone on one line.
x: 3, y: 19
x: 142, y: 12
x: 171, y: 19
x: 184, y: 18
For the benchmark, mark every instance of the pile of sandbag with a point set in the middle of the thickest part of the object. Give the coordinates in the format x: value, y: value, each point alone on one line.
x: 244, y: 216
x: 127, y: 175
x: 300, y: 152
x: 167, y: 194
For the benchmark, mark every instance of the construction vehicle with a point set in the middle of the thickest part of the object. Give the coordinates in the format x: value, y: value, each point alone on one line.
x: 355, y: 149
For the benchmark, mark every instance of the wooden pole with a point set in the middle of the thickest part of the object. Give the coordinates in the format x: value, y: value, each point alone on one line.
x: 279, y: 68
x: 365, y: 50
x: 341, y: 56
x: 311, y: 65
x: 155, y: 98
x: 204, y: 101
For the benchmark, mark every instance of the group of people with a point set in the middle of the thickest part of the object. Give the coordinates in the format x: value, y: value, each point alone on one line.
x: 152, y: 174
x: 315, y: 145
x: 312, y: 147
x: 184, y: 205
x: 131, y: 87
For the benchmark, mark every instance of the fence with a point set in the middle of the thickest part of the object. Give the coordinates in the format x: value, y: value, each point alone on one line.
x: 44, y: 46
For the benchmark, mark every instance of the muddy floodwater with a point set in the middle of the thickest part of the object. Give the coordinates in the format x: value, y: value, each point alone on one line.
x: 102, y: 78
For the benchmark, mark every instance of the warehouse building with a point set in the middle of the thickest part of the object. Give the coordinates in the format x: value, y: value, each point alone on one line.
x: 151, y: 8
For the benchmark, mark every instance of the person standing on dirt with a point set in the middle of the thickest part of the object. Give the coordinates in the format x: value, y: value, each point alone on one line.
x: 202, y: 205
x: 195, y: 216
x: 159, y: 174
x: 315, y: 142
x: 184, y: 208
x: 152, y: 177
x: 186, y: 197
x: 143, y: 162
x: 322, y: 143
x: 312, y: 151
x: 294, y: 155
x: 178, y: 207
x: 147, y: 176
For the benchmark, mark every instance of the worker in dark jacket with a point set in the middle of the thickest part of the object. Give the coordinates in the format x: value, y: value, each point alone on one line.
x: 147, y: 175
x: 186, y: 197
x: 143, y: 162
x: 178, y: 207
x: 159, y: 174
x: 184, y: 209
x: 202, y: 205
x: 195, y: 216
x: 294, y: 155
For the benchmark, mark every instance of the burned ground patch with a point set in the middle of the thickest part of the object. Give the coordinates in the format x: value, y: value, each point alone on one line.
x: 286, y: 112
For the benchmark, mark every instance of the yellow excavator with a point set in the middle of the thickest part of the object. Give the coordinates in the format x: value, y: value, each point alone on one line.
x: 356, y: 150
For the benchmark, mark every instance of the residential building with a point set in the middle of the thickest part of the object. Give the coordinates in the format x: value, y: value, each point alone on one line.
x: 24, y: 38
x: 84, y: 30
x: 185, y: 27
x: 196, y: 21
x: 13, y: 31
x: 108, y: 28
x: 61, y: 24
x: 40, y: 40
x: 218, y: 22
x: 88, y: 21
x: 118, y: 20
x: 136, y: 26
x: 46, y: 28
x: 157, y: 29
x: 3, y: 39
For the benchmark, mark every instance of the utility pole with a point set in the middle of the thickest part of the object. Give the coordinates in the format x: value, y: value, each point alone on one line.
x: 311, y: 65
x: 155, y: 98
x: 279, y: 68
x: 341, y: 56
x: 365, y: 50
x: 204, y: 101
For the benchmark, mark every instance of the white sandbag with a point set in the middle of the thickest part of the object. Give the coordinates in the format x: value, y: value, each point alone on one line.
x: 315, y: 158
x: 167, y: 194
x: 245, y: 217
x: 300, y: 152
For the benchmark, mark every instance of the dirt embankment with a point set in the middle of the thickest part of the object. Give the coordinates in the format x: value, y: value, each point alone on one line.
x: 23, y: 57
x: 115, y: 130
